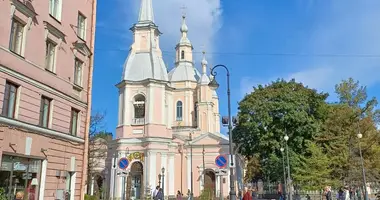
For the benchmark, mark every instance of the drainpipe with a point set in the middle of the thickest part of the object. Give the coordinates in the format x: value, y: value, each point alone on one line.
x: 89, y: 96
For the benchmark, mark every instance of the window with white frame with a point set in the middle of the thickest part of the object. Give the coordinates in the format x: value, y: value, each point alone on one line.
x: 74, y: 122
x: 9, y: 101
x: 78, y: 72
x: 50, y: 55
x: 17, y: 36
x: 81, y: 26
x: 179, y: 111
x: 55, y: 8
x: 45, y: 111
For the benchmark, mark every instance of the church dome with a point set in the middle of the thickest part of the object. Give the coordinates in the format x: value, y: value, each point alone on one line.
x: 184, y: 71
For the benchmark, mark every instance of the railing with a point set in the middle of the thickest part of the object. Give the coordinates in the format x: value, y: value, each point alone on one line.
x: 138, y: 121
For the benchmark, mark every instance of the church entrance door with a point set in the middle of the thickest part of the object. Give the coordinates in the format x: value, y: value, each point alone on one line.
x: 135, y: 182
x: 210, y: 181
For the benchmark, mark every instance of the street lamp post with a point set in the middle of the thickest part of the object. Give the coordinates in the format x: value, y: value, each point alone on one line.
x: 287, y: 157
x: 163, y: 181
x: 283, y: 168
x: 191, y: 165
x: 213, y: 84
x: 363, y: 169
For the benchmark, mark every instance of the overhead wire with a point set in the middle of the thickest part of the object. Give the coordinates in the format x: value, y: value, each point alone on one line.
x: 166, y: 52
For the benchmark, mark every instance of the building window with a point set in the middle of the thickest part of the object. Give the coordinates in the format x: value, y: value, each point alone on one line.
x: 55, y: 9
x: 17, y: 36
x: 81, y: 26
x: 74, y: 122
x: 139, y: 108
x: 78, y: 72
x: 45, y: 111
x: 179, y: 111
x: 182, y: 54
x: 19, y: 175
x: 9, y: 101
x: 50, y: 55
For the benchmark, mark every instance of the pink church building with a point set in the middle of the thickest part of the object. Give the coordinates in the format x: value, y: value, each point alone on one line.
x: 168, y: 124
x: 45, y: 97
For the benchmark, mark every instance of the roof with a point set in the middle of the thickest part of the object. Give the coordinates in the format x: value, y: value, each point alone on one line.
x: 144, y: 65
x: 184, y: 71
x: 146, y: 12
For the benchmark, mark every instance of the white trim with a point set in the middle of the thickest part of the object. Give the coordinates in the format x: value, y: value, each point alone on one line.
x: 171, y: 175
x: 151, y: 105
x: 163, y: 106
x: 51, y: 111
x: 121, y: 108
x: 72, y: 185
x: 164, y: 163
x: 43, y: 179
x: 39, y: 85
x: 17, y: 103
x: 188, y: 171
x: 152, y: 169
x: 40, y: 129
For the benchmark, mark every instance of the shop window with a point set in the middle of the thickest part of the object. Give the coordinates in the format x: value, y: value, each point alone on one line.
x: 20, y: 177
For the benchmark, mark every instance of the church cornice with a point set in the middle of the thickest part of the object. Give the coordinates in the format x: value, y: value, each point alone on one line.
x: 184, y: 61
x: 142, y: 82
x: 145, y: 26
x: 184, y: 45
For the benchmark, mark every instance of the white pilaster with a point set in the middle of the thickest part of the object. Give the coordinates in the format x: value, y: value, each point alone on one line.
x: 127, y: 116
x: 152, y: 169
x: 145, y: 169
x: 163, y: 110
x: 164, y: 161
x: 121, y: 107
x: 171, y: 173
x: 218, y: 186
x: 43, y: 179
x: 112, y: 180
x: 188, y: 171
x: 151, y: 104
x: 185, y: 109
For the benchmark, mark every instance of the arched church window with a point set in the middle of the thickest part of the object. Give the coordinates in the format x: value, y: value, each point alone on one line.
x: 179, y: 110
x: 182, y: 54
x: 139, y: 108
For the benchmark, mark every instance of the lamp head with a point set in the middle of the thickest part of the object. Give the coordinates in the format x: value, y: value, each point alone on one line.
x: 213, y: 84
x: 286, y: 137
x: 360, y: 136
x: 282, y: 149
x: 163, y: 170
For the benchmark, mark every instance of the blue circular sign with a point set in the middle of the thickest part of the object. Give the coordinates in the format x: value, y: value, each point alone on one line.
x: 123, y: 163
x: 221, y: 161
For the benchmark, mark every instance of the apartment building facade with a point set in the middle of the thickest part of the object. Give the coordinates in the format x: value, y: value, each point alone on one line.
x: 46, y: 65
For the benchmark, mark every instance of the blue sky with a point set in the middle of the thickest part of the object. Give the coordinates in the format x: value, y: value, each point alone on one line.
x: 318, y: 43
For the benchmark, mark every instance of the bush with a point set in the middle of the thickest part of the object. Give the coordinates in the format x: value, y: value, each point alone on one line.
x: 88, y: 197
x: 3, y: 196
x: 207, y: 194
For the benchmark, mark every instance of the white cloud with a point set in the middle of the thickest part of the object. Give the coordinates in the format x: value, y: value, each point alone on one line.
x: 350, y: 28
x: 203, y: 17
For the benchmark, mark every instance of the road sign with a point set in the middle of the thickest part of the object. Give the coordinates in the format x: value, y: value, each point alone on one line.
x: 221, y: 161
x: 123, y: 163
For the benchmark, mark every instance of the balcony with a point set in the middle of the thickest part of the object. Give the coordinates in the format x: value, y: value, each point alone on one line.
x: 138, y: 121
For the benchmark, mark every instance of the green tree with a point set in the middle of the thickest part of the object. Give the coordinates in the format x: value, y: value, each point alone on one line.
x: 353, y: 114
x: 313, y: 172
x: 270, y: 112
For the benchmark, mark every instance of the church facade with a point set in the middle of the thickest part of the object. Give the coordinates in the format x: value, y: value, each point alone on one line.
x: 168, y: 131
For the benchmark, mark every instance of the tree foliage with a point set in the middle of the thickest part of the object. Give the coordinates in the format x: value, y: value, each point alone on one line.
x: 323, y: 144
x: 270, y: 112
x: 98, y: 142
